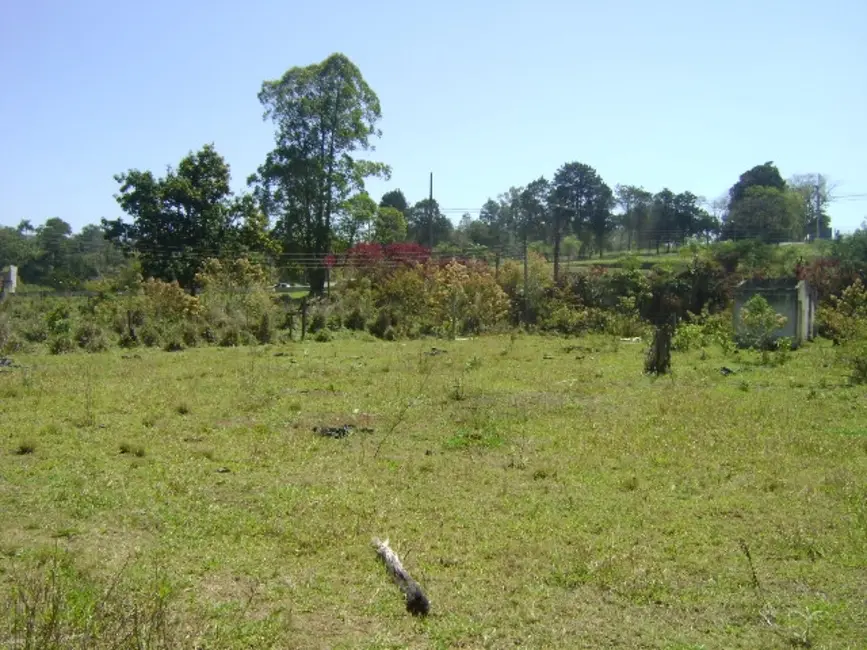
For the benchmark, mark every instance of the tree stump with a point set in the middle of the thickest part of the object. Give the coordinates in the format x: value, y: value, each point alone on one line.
x: 658, y: 360
x: 417, y: 603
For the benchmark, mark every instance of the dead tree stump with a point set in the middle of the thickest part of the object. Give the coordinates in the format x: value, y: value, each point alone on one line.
x: 417, y: 602
x: 658, y: 360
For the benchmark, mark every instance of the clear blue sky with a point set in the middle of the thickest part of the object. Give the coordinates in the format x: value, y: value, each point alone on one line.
x: 679, y: 93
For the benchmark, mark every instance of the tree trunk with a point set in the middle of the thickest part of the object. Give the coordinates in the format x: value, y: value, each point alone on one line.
x: 556, y: 256
x: 417, y: 603
x: 317, y: 277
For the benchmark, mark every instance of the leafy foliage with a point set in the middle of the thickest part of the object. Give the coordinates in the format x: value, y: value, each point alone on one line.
x: 179, y: 220
x: 844, y: 318
x: 759, y: 324
x: 323, y: 114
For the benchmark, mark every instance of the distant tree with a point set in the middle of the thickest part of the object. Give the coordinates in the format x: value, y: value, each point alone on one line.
x: 570, y: 247
x: 530, y: 214
x: 324, y: 113
x: 470, y: 233
x: 635, y: 203
x: 253, y: 238
x: 394, y: 199
x: 497, y: 216
x: 764, y: 213
x: 425, y: 221
x: 356, y: 215
x: 766, y: 175
x: 663, y: 218
x: 580, y: 202
x: 389, y: 225
x: 179, y: 220
x: 814, y: 192
x: 707, y: 226
x: 687, y: 215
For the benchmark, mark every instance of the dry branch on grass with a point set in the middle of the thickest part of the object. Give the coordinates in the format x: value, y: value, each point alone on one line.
x: 417, y: 603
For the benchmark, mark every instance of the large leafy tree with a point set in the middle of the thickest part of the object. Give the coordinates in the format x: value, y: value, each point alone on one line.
x: 532, y: 212
x: 581, y: 202
x: 497, y: 216
x: 389, y: 226
x: 394, y: 199
x: 635, y: 203
x: 323, y: 115
x: 765, y: 213
x: 357, y: 214
x: 427, y: 225
x: 814, y: 192
x: 663, y: 217
x: 762, y: 206
x: 766, y: 175
x: 687, y: 215
x: 179, y: 220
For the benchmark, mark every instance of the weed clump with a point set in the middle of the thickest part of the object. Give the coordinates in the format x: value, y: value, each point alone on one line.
x: 25, y: 447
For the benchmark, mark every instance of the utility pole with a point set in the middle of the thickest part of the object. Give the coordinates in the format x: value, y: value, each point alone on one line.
x: 430, y: 213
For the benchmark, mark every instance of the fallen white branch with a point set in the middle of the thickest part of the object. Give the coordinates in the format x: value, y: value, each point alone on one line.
x: 417, y: 603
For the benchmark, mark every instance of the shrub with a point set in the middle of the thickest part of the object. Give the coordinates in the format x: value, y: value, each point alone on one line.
x: 127, y: 340
x: 527, y: 307
x: 35, y: 331
x: 382, y: 324
x: 844, y: 318
x: 59, y: 320
x: 323, y: 336
x: 855, y: 357
x: 403, y: 299
x: 61, y: 344
x: 173, y: 340
x: 264, y: 328
x: 759, y: 324
x: 6, y: 332
x: 355, y: 320
x: 317, y: 321
x: 238, y: 292
x: 704, y: 330
x: 189, y: 335
x: 465, y: 299
x: 230, y: 336
x: 167, y: 301
x: 91, y: 337
x: 149, y: 335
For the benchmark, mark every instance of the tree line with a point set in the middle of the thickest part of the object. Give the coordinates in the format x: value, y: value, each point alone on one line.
x: 307, y: 201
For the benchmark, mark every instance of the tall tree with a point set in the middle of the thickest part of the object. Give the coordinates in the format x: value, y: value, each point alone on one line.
x: 356, y: 216
x: 324, y: 113
x: 394, y: 199
x: 179, y: 220
x: 766, y: 175
x: 663, y: 217
x: 496, y: 215
x: 814, y: 191
x: 427, y: 225
x: 635, y: 203
x: 687, y: 214
x: 580, y: 202
x: 389, y: 225
x: 764, y: 213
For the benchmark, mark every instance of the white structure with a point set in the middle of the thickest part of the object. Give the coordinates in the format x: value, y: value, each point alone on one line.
x: 8, y: 280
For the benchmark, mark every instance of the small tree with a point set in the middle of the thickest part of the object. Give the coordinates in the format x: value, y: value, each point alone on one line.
x: 759, y: 324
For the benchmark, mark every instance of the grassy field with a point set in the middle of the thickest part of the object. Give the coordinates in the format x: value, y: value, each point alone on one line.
x: 542, y: 490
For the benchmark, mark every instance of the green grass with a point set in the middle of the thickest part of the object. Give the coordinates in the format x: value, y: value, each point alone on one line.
x: 542, y: 497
